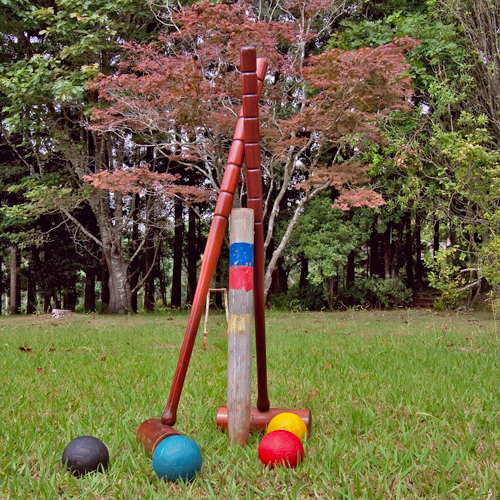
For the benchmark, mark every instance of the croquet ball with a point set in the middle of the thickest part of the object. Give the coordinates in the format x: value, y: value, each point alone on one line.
x: 85, y: 454
x: 281, y: 448
x: 288, y: 422
x: 177, y: 457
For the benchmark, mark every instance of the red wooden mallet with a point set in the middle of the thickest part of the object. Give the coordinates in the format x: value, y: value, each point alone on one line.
x: 152, y: 431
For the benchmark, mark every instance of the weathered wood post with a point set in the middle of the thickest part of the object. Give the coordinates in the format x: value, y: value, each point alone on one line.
x: 239, y: 359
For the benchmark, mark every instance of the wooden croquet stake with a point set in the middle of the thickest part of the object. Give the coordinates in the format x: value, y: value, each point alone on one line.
x: 239, y: 333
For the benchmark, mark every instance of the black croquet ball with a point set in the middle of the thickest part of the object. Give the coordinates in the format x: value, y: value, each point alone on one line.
x: 85, y: 454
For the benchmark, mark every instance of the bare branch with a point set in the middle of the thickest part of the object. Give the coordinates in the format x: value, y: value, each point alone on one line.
x: 80, y: 226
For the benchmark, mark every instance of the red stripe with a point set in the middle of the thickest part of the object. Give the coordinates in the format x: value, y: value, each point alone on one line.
x: 241, y: 277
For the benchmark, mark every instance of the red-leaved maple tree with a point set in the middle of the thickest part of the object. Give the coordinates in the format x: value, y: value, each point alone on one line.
x: 180, y: 94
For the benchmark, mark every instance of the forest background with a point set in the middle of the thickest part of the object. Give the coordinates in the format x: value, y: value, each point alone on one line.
x: 380, y: 125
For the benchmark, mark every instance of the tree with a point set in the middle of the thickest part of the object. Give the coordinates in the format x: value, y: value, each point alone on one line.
x: 442, y: 161
x: 180, y: 93
x: 50, y: 52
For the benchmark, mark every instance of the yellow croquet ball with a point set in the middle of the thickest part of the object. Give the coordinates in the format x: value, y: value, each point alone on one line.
x: 288, y: 422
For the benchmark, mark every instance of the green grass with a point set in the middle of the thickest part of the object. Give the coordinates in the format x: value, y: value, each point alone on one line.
x: 405, y: 404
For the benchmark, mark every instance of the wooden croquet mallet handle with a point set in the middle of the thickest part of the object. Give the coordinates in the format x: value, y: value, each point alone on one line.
x: 250, y: 106
x: 210, y: 257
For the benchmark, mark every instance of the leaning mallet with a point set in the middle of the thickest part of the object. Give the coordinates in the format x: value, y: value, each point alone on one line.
x: 152, y: 431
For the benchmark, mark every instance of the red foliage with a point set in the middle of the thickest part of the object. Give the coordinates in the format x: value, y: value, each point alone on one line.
x: 358, y: 198
x: 184, y: 89
x: 141, y: 180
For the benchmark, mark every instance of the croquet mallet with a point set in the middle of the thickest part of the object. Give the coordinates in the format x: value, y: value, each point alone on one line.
x: 262, y: 415
x: 152, y: 431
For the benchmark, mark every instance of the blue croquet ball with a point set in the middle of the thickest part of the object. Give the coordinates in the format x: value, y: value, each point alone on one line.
x: 85, y: 454
x: 177, y: 457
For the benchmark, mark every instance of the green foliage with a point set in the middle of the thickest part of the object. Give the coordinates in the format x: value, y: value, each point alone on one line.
x: 388, y: 293
x: 377, y: 293
x: 38, y: 195
x: 491, y: 261
x: 445, y: 275
x: 308, y: 298
x: 327, y: 237
x: 65, y: 47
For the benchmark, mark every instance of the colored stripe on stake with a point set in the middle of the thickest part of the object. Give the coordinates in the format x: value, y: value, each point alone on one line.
x: 241, y: 266
x: 241, y: 254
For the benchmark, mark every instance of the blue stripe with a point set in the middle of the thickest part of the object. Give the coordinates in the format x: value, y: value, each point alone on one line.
x: 241, y: 254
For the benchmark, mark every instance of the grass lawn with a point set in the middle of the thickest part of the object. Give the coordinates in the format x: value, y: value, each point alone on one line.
x: 405, y: 404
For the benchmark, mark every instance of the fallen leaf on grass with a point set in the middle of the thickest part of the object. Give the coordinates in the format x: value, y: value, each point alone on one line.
x: 392, y: 483
x: 313, y: 393
x: 340, y: 324
x: 468, y: 338
x: 25, y: 348
x: 450, y: 345
x: 306, y: 331
x: 386, y: 341
x: 329, y: 365
x: 444, y: 327
x: 103, y: 358
x: 39, y: 370
x: 429, y: 328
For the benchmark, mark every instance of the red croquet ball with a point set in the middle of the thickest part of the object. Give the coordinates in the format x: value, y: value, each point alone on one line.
x: 281, y: 448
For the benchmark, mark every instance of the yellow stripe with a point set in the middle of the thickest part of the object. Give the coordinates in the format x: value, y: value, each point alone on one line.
x: 240, y: 323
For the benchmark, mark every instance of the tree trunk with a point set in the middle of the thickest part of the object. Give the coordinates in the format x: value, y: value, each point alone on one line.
x: 408, y: 251
x: 89, y: 300
x: 31, y: 302
x: 70, y: 297
x: 418, y: 251
x: 15, y: 288
x: 111, y: 232
x: 350, y: 272
x: 176, y: 298
x: 163, y: 284
x: 376, y: 264
x: 119, y: 287
x: 135, y: 264
x: 46, y: 303
x: 119, y: 300
x: 105, y: 295
x: 304, y: 272
x: 193, y: 256
x: 332, y: 292
x: 435, y: 244
x: 279, y: 278
x: 1, y: 283
x: 279, y: 281
x: 57, y: 302
x: 149, y: 272
x: 398, y: 251
x: 387, y: 252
